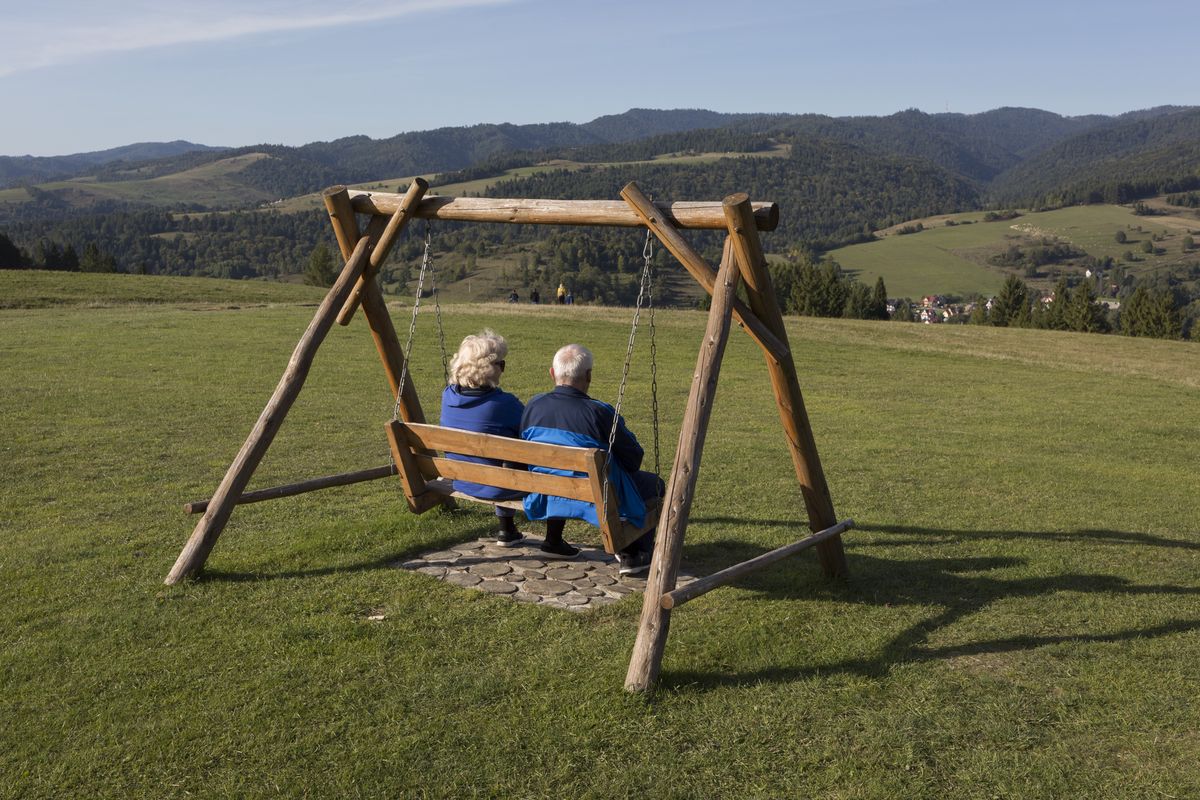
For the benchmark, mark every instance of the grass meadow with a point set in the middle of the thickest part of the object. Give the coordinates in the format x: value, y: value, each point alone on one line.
x: 954, y: 259
x: 1022, y: 617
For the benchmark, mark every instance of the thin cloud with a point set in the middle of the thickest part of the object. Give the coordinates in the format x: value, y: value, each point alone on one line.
x: 61, y: 33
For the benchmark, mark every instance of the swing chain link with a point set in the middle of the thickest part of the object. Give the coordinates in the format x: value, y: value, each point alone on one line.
x: 648, y: 255
x: 437, y: 308
x: 644, y: 290
x: 412, y: 325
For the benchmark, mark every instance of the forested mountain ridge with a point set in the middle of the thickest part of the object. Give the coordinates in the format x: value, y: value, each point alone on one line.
x: 837, y: 180
x: 15, y: 170
x: 1113, y: 163
x: 976, y: 146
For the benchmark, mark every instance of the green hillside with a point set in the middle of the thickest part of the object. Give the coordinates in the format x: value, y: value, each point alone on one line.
x: 213, y: 184
x: 954, y: 259
x: 1022, y: 616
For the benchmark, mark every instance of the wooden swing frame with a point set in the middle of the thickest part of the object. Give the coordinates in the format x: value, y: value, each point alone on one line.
x: 742, y: 261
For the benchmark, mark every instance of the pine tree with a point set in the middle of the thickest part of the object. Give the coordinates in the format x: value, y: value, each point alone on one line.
x: 11, y: 256
x: 878, y: 309
x: 1057, y: 312
x: 858, y: 302
x: 1012, y: 304
x: 1135, y: 313
x: 1083, y: 314
x: 94, y: 260
x: 321, y: 270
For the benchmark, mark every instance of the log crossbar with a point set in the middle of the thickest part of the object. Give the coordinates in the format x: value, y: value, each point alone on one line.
x: 705, y: 585
x: 614, y: 213
x: 300, y: 487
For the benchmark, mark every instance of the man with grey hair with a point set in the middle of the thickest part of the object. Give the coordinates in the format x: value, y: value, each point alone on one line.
x: 567, y: 415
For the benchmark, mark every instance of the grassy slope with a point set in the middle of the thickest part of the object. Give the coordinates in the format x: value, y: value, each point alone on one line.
x: 40, y: 289
x: 954, y: 259
x: 212, y: 184
x: 1023, y: 616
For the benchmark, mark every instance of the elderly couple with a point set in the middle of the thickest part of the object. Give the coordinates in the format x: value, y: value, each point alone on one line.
x: 474, y: 401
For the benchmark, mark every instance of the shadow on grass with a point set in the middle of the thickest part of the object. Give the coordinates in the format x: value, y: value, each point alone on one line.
x: 391, y: 561
x: 796, y: 528
x: 958, y: 586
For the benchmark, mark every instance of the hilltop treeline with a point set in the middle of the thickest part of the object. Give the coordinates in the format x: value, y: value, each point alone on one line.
x: 840, y: 179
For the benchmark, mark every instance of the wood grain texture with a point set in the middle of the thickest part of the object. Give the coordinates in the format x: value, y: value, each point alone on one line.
x: 646, y: 659
x: 704, y: 215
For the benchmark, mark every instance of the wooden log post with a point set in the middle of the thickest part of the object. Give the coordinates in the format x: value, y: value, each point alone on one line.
x: 695, y: 264
x: 204, y: 536
x: 301, y: 487
x: 786, y: 385
x: 691, y: 591
x: 646, y: 660
x: 345, y: 228
x: 399, y: 219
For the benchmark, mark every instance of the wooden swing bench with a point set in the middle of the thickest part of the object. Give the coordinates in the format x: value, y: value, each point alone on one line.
x: 427, y: 478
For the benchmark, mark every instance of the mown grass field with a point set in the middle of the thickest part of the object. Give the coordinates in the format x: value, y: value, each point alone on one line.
x: 954, y: 259
x: 1022, y: 617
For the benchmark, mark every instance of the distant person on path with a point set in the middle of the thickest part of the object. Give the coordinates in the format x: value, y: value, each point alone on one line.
x: 570, y: 298
x: 474, y: 401
x: 513, y: 297
x: 567, y: 415
x: 534, y: 297
x: 562, y: 294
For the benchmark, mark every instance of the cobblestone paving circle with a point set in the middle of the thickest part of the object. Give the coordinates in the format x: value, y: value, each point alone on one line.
x: 523, y: 573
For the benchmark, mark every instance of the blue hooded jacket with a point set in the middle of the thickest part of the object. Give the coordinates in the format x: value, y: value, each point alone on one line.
x: 570, y: 417
x: 489, y: 410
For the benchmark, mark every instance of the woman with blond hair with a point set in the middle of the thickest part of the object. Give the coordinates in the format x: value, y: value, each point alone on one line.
x: 474, y: 401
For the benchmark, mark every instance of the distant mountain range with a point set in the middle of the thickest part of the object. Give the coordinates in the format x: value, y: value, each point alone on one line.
x: 1018, y: 150
x: 836, y: 179
x: 16, y: 170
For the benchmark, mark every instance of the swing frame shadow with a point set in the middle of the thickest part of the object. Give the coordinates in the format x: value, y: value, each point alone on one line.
x: 364, y: 250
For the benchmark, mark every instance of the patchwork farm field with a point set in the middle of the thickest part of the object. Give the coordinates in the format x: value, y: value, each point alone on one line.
x: 1021, y: 619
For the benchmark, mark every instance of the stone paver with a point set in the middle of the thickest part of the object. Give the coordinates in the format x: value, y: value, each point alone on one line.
x: 587, y: 581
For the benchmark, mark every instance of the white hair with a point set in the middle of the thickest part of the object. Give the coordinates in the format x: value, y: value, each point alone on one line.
x: 474, y: 365
x: 571, y: 362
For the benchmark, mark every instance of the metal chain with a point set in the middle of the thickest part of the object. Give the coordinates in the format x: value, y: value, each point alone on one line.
x: 437, y: 308
x: 426, y: 260
x: 648, y: 254
x: 643, y: 287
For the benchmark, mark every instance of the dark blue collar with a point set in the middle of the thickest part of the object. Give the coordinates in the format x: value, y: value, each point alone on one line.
x: 571, y: 391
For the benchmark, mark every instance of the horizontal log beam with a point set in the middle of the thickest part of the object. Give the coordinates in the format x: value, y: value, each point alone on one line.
x: 312, y: 485
x: 704, y: 585
x: 706, y: 215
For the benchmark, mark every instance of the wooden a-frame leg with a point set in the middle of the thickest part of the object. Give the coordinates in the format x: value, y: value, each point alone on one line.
x: 786, y: 385
x: 647, y: 655
x: 205, y: 534
x: 345, y: 228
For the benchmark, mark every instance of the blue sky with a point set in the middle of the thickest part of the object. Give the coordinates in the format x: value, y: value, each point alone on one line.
x: 77, y: 76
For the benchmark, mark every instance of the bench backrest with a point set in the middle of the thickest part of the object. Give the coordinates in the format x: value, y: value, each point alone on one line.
x: 426, y: 476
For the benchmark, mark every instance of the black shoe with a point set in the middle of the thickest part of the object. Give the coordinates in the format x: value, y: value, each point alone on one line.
x: 634, y: 563
x: 509, y: 538
x: 559, y: 549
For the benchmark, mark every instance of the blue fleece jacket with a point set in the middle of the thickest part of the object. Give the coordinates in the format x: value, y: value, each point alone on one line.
x: 490, y: 410
x: 569, y: 416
